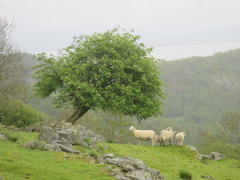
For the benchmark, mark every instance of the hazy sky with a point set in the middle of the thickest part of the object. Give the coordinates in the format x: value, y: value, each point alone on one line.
x: 176, y: 28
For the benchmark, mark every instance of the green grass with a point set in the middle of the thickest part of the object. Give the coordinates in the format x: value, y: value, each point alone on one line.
x: 170, y: 160
x: 17, y: 163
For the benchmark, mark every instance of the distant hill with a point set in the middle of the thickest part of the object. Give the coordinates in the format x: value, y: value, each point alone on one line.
x: 199, y: 89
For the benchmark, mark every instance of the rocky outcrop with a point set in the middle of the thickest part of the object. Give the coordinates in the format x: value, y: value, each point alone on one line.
x: 61, y: 136
x: 213, y: 156
x: 50, y: 147
x: 128, y: 168
x: 68, y: 134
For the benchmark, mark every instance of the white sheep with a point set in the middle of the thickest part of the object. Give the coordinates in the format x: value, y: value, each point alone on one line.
x: 166, y: 135
x: 180, y: 137
x: 144, y: 134
x: 158, y: 137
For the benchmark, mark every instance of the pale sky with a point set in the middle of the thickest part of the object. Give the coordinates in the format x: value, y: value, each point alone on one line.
x: 176, y: 28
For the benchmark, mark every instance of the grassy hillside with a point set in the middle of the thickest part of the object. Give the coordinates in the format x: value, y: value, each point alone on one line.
x: 17, y: 163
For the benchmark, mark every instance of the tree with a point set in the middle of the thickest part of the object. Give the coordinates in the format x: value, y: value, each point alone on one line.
x: 231, y: 127
x: 110, y: 71
x: 12, y: 81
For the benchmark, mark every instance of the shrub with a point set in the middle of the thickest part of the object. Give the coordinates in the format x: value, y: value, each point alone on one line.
x: 8, y: 135
x: 185, y: 175
x: 93, y: 154
x: 17, y: 113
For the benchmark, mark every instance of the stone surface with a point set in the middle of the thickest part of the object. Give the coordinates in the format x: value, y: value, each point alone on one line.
x: 2, y: 137
x: 68, y: 134
x: 48, y: 134
x: 129, y: 168
x: 50, y: 147
x: 212, y: 156
x: 33, y: 145
x: 216, y: 156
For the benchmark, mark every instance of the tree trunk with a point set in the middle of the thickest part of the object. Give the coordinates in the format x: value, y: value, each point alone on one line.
x: 77, y: 114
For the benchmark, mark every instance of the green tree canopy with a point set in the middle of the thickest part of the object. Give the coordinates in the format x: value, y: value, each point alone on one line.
x: 109, y: 71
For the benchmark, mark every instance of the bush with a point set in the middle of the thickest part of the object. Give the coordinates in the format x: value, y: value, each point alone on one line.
x: 17, y: 113
x: 185, y: 175
x: 93, y: 154
x: 8, y: 134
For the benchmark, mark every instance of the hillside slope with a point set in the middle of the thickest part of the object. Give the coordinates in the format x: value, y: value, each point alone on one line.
x: 199, y: 89
x: 17, y: 163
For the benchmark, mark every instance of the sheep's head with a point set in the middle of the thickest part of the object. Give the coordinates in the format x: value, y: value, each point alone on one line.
x: 169, y: 129
x: 132, y: 128
x: 184, y: 133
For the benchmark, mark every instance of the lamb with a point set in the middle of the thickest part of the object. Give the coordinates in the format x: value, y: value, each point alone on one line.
x: 157, y: 139
x: 144, y: 134
x: 180, y: 137
x: 166, y: 135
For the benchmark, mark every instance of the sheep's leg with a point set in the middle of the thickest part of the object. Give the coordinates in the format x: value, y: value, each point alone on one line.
x: 163, y: 143
x: 153, y: 142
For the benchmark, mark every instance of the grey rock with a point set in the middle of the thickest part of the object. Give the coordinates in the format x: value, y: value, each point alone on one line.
x: 53, y: 147
x: 68, y: 149
x: 60, y: 148
x: 208, y: 177
x: 204, y: 156
x: 110, y: 155
x: 154, y: 172
x: 129, y: 168
x: 216, y: 156
x: 60, y: 136
x: 2, y: 137
x: 193, y: 149
x: 48, y: 134
x: 122, y: 177
x: 213, y: 156
x: 138, y: 164
x: 115, y: 172
x: 67, y: 134
x: 139, y: 175
x: 33, y: 145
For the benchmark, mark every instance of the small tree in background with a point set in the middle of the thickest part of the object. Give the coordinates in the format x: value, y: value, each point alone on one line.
x: 12, y: 80
x: 231, y: 127
x: 227, y: 140
x: 110, y: 71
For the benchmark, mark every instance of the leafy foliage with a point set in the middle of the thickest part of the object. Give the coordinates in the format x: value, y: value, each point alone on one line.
x: 12, y: 71
x: 109, y: 71
x: 16, y: 113
x: 185, y: 175
x: 231, y: 126
x: 198, y: 90
x: 227, y: 139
